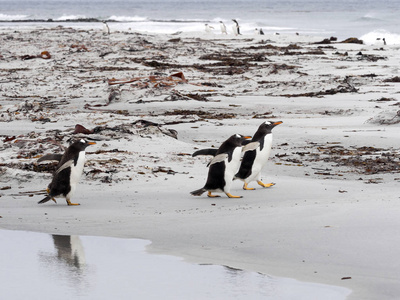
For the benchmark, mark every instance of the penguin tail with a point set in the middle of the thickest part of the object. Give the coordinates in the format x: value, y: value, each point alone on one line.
x: 198, y: 192
x: 47, y: 198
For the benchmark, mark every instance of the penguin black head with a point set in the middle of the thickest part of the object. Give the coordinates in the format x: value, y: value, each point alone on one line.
x: 238, y: 139
x: 270, y: 125
x: 81, y: 144
x: 264, y: 129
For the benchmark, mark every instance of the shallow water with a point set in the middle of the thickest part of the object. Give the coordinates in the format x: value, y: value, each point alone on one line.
x: 43, y: 266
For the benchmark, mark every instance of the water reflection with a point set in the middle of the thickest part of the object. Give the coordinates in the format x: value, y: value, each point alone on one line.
x: 66, y: 261
x: 72, y: 267
x: 69, y: 250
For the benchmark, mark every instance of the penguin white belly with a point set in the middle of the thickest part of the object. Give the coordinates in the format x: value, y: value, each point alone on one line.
x: 231, y: 168
x: 76, y: 172
x: 260, y: 159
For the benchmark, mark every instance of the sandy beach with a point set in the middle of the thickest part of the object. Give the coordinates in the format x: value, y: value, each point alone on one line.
x: 151, y: 100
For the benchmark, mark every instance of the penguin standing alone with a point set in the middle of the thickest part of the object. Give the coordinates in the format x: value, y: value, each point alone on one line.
x: 106, y: 28
x: 223, y: 167
x: 256, y: 155
x: 68, y: 173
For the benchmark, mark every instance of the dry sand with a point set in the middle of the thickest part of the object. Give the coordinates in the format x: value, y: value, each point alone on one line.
x: 332, y: 216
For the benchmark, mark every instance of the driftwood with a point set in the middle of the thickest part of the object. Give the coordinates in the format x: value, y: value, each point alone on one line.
x: 157, y: 81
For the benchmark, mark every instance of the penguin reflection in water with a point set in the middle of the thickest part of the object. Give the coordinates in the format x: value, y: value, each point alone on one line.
x: 223, y: 167
x: 257, y: 152
x: 68, y: 173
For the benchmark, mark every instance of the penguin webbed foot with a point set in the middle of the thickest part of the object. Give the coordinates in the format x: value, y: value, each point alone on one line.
x: 266, y: 185
x: 70, y: 203
x: 247, y: 188
x: 209, y: 194
x: 232, y: 196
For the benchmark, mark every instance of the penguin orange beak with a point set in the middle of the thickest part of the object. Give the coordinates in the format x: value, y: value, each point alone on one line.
x: 247, y: 137
x: 277, y: 123
x: 91, y: 143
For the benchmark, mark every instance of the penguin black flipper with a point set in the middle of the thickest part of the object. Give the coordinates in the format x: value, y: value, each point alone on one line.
x: 53, y: 156
x: 246, y: 165
x: 210, y: 151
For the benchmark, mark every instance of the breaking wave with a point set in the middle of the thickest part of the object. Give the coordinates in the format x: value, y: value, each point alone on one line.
x: 376, y: 38
x: 4, y: 17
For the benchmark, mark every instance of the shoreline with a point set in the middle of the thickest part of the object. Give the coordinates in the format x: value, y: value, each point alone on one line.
x: 331, y: 213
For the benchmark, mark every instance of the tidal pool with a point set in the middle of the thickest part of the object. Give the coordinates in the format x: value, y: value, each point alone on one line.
x: 42, y: 266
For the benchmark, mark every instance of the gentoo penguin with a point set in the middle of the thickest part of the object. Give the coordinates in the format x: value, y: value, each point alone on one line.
x: 106, y: 29
x: 261, y: 31
x: 209, y: 28
x: 235, y: 27
x: 223, y: 167
x: 68, y: 173
x: 223, y: 27
x: 256, y: 155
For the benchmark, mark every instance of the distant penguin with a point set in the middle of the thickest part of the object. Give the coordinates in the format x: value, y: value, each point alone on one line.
x: 256, y: 155
x: 223, y: 167
x: 106, y: 29
x: 209, y: 28
x: 261, y: 31
x: 236, y: 27
x: 256, y: 31
x: 223, y: 27
x: 68, y: 173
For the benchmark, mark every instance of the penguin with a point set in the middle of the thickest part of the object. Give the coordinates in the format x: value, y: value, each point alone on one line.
x: 68, y: 173
x: 236, y: 28
x: 256, y: 155
x: 261, y: 31
x: 106, y: 29
x: 208, y: 28
x: 223, y: 27
x: 223, y: 167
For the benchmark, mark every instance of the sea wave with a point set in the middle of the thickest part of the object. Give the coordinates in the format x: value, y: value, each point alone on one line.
x: 128, y: 19
x: 4, y: 17
x: 379, y: 37
x: 71, y: 17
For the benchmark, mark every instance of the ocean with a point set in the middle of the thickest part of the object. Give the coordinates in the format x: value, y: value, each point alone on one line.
x: 367, y: 19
